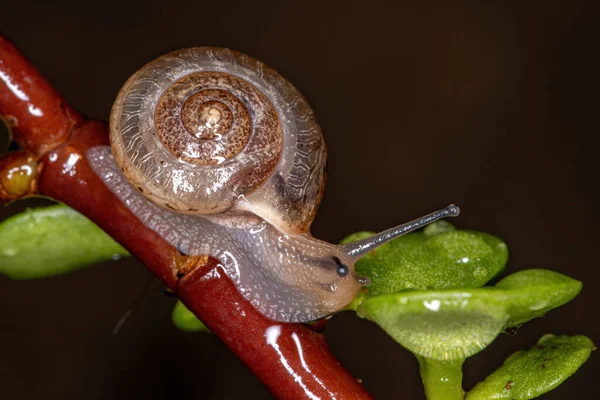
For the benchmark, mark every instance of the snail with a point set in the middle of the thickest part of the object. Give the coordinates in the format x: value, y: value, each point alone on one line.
x: 221, y: 156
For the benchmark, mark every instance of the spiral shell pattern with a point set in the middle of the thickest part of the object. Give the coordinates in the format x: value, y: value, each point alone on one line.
x: 199, y: 129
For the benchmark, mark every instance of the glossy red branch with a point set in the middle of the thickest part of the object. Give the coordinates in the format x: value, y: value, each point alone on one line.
x: 299, y: 364
x: 292, y: 361
x: 39, y: 118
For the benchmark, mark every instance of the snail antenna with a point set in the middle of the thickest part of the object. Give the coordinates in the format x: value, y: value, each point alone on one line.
x: 361, y: 247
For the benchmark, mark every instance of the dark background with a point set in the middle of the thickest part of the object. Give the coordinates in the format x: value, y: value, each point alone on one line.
x: 490, y: 106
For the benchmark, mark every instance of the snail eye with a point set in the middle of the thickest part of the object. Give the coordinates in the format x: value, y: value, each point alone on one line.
x: 342, y: 269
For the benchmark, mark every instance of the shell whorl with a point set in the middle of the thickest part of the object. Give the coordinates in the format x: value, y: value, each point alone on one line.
x: 199, y: 129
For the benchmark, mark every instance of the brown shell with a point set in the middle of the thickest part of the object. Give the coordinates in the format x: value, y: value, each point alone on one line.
x: 206, y: 130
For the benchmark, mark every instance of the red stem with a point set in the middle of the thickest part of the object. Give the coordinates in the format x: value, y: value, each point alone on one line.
x: 38, y: 116
x: 292, y: 361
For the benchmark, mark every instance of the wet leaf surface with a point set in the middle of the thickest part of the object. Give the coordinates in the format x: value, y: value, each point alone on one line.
x: 438, y: 258
x: 531, y: 373
x: 441, y: 325
x: 534, y: 292
x: 453, y: 324
x: 51, y: 241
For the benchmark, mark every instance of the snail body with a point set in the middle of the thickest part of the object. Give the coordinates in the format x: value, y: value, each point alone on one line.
x: 222, y: 156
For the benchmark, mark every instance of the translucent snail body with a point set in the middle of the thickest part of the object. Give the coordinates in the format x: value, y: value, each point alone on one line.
x: 222, y: 156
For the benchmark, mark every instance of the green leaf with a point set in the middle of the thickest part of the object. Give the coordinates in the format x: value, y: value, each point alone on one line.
x: 51, y: 241
x: 440, y: 325
x: 185, y: 320
x: 456, y: 323
x: 534, y: 292
x: 438, y: 227
x: 439, y: 258
x: 531, y: 373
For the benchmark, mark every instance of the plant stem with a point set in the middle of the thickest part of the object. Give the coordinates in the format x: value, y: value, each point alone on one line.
x: 442, y: 379
x: 38, y: 117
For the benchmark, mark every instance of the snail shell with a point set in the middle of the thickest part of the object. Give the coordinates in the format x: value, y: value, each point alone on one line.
x: 206, y: 130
